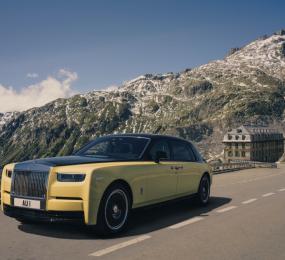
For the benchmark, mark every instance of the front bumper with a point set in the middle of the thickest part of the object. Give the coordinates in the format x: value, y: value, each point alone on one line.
x: 63, y: 201
x: 43, y: 216
x: 82, y: 198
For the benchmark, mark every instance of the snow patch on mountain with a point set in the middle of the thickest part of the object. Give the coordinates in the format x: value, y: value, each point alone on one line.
x: 5, y: 118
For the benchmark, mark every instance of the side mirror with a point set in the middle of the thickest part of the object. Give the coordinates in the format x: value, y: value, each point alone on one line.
x: 159, y: 156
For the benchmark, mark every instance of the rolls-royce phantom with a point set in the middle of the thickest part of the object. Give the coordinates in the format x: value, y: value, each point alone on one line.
x: 104, y: 180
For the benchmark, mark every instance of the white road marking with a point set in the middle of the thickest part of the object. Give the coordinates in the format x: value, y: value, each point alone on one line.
x: 283, y: 189
x: 268, y: 194
x: 186, y: 222
x: 226, y: 209
x: 249, y: 201
x: 120, y: 245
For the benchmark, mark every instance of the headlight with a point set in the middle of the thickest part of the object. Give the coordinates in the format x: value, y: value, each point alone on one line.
x: 70, y: 177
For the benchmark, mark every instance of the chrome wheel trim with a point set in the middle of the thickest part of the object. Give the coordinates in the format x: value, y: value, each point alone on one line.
x: 205, y: 189
x: 116, y: 210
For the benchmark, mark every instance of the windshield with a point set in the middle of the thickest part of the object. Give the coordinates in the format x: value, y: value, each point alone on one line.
x: 116, y: 147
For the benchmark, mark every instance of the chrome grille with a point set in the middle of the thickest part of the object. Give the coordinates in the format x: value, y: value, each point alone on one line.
x: 29, y: 184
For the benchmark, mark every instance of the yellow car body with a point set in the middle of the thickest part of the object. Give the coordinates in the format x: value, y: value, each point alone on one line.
x: 149, y: 182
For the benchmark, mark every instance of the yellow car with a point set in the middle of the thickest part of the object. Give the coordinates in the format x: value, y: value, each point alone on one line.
x: 104, y: 180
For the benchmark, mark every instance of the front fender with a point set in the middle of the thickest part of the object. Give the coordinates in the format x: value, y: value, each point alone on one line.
x: 98, y: 185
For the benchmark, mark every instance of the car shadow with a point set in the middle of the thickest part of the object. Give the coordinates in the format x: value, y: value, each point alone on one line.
x: 142, y: 221
x: 168, y: 214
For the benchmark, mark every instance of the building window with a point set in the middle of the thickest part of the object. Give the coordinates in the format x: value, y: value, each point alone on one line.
x: 243, y: 137
x: 243, y: 145
x: 237, y: 137
x: 229, y: 137
x: 230, y: 154
x: 236, y: 145
x: 237, y: 154
x: 242, y: 154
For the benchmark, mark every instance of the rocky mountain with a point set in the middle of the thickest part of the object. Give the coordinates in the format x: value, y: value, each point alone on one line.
x: 198, y: 104
x: 5, y: 118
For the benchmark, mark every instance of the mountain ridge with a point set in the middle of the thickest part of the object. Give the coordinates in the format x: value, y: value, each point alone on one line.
x: 199, y: 104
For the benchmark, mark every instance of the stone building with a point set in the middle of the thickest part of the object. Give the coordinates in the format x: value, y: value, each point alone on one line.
x: 253, y: 143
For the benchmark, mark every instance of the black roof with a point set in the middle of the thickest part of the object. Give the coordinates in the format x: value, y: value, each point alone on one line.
x: 151, y: 136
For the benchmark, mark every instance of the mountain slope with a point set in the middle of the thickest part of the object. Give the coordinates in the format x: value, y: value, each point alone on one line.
x: 198, y: 104
x: 5, y: 118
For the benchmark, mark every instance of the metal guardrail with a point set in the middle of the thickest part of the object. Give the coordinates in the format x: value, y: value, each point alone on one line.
x: 235, y: 166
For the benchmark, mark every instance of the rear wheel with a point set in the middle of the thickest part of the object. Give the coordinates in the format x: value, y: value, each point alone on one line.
x: 204, y: 190
x: 114, y: 210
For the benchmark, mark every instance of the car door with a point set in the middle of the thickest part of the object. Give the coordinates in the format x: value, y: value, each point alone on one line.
x: 186, y: 167
x: 161, y: 179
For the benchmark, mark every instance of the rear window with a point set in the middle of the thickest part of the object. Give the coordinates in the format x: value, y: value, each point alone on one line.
x: 181, y: 151
x: 159, y: 146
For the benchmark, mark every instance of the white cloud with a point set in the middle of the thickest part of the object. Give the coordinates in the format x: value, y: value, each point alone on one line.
x: 32, y: 75
x: 37, y: 94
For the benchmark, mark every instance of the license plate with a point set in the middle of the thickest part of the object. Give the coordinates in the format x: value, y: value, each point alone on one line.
x: 25, y: 203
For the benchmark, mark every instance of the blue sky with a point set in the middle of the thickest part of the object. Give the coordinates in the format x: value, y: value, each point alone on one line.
x: 107, y: 42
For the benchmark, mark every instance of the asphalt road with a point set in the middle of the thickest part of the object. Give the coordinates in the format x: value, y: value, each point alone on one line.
x: 244, y: 220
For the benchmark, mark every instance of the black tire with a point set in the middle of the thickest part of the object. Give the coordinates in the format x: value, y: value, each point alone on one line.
x: 114, y: 211
x: 204, y: 190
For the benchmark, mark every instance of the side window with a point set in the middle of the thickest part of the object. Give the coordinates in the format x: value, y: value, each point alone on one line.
x: 182, y: 152
x: 196, y: 155
x: 161, y: 146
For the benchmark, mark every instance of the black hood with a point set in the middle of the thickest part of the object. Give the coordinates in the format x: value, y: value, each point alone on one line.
x: 60, y: 161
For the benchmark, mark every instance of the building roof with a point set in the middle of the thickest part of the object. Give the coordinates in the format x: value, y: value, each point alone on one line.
x: 251, y: 133
x: 254, y: 129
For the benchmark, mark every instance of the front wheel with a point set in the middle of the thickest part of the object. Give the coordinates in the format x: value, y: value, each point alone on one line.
x: 114, y: 211
x: 204, y: 191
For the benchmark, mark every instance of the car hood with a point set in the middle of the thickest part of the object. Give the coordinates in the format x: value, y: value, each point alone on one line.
x: 60, y: 161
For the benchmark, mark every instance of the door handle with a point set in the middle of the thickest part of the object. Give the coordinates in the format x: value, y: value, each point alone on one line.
x: 176, y: 167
